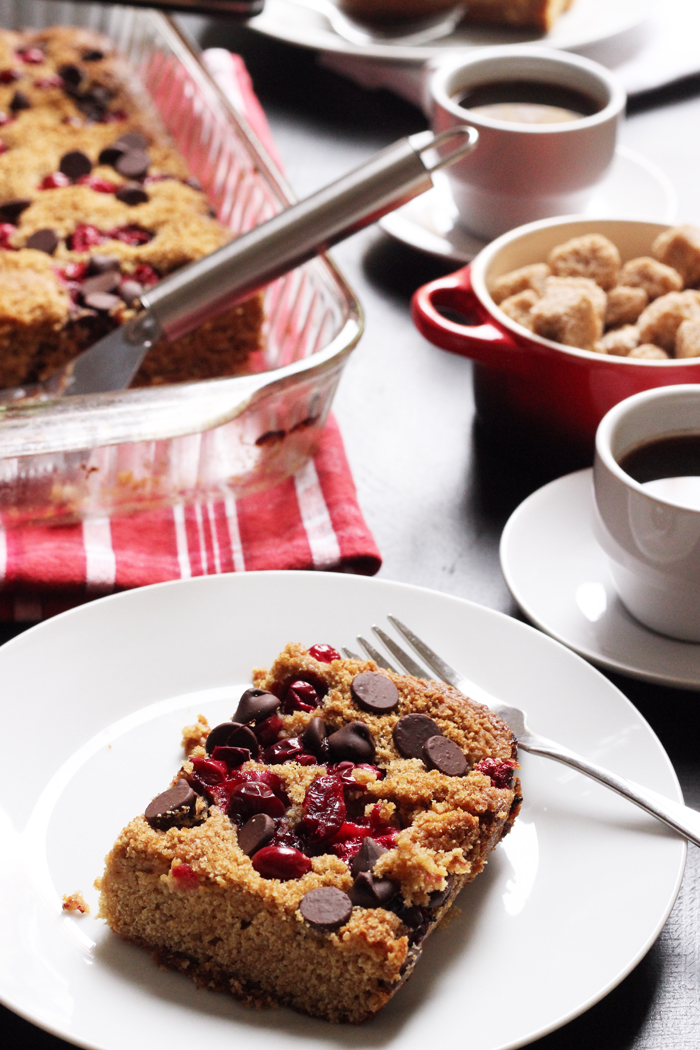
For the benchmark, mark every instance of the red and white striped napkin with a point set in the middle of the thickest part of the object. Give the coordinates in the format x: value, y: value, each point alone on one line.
x: 309, y: 521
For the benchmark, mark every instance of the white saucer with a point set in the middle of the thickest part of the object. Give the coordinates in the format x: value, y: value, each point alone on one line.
x: 560, y: 578
x: 303, y: 22
x: 633, y: 188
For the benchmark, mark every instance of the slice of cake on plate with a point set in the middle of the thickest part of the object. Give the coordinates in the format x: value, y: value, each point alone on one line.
x: 307, y: 848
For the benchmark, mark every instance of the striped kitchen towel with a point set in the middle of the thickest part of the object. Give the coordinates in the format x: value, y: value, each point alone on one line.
x: 310, y: 521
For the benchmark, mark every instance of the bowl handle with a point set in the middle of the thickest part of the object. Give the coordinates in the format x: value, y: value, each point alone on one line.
x: 476, y: 337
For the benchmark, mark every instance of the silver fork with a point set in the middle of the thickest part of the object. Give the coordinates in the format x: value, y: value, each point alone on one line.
x: 683, y: 819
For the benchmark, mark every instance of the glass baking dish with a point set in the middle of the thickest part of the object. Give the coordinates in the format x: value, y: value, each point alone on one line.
x: 252, y: 433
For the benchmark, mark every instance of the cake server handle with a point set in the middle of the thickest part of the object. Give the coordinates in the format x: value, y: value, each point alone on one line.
x: 200, y: 291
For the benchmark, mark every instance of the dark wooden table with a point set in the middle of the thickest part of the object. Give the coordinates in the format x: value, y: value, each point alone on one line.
x: 435, y: 494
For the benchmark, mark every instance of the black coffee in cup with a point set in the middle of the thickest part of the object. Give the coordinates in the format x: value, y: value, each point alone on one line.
x: 668, y: 468
x: 527, y: 102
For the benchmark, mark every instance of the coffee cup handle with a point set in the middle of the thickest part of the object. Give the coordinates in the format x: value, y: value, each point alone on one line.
x: 476, y: 337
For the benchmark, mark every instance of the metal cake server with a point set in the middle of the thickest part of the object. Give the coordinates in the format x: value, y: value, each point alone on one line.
x: 181, y: 302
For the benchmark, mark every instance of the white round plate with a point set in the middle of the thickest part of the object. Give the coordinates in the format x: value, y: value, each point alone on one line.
x: 559, y: 577
x: 93, y: 705
x: 633, y: 188
x: 587, y: 22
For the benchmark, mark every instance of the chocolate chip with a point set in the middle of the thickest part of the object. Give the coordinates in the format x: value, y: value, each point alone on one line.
x: 19, y: 101
x: 255, y: 706
x: 102, y: 263
x: 130, y: 291
x: 313, y: 739
x: 173, y: 808
x: 374, y: 692
x: 352, y: 743
x: 93, y: 55
x: 45, y: 240
x: 132, y: 193
x: 438, y: 897
x: 367, y: 856
x: 102, y: 282
x: 444, y: 755
x: 369, y: 891
x: 326, y: 908
x: 256, y: 833
x: 411, y: 732
x: 75, y: 164
x: 133, y: 164
x: 131, y: 140
x: 231, y: 734
x: 70, y: 74
x: 103, y: 302
x: 10, y: 211
x: 111, y: 154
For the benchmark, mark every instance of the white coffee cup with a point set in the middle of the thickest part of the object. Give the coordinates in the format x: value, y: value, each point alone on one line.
x: 652, y: 541
x: 524, y: 172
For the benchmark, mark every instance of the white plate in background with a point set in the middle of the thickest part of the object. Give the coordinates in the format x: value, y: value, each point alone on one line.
x: 92, y: 706
x: 587, y: 22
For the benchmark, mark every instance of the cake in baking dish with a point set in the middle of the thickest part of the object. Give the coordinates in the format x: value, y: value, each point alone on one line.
x: 307, y: 848
x: 96, y: 205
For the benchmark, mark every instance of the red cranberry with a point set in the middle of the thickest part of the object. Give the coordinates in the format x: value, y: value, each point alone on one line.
x: 281, y: 862
x: 6, y: 231
x: 53, y: 81
x: 56, y: 180
x: 86, y: 236
x: 268, y: 731
x: 5, y: 118
x: 131, y: 234
x: 74, y: 271
x: 33, y: 56
x: 99, y: 185
x: 114, y: 116
x: 325, y: 653
x: 250, y: 798
x: 501, y: 773
x: 324, y: 808
x: 300, y: 696
x: 146, y: 275
x: 209, y: 771
x: 8, y: 76
x: 3, y: 147
x: 283, y: 751
x: 185, y: 875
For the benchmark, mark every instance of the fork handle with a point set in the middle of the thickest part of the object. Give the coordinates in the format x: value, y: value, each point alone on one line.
x: 683, y: 819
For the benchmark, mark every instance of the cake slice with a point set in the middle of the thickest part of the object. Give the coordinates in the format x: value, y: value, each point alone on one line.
x: 525, y: 14
x: 96, y: 205
x: 324, y: 831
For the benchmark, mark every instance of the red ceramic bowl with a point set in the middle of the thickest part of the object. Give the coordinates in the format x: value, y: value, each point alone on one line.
x: 532, y: 394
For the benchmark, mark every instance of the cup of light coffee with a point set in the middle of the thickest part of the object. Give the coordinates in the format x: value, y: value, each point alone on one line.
x: 547, y: 124
x: 647, y: 506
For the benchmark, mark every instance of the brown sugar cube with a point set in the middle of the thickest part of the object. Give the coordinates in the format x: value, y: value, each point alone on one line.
x: 620, y: 341
x: 569, y: 313
x: 510, y: 284
x: 519, y: 307
x: 585, y: 284
x: 649, y: 352
x: 660, y: 321
x: 592, y: 256
x: 654, y: 277
x: 624, y: 305
x: 679, y: 247
x: 688, y: 339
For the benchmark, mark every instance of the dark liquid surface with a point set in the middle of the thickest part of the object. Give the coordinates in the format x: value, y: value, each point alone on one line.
x: 528, y: 92
x: 669, y: 457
